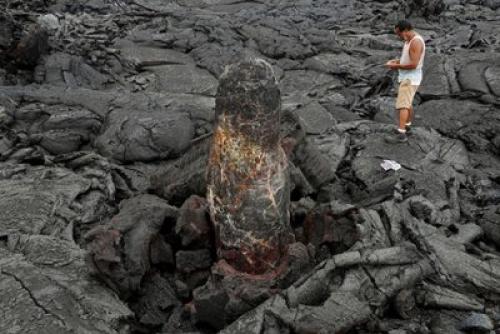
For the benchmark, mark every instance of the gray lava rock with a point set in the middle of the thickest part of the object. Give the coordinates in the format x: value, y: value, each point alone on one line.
x: 427, y: 7
x: 141, y: 55
x: 275, y: 43
x: 141, y: 130
x: 31, y: 47
x: 120, y: 251
x: 95, y: 101
x: 189, y: 261
x: 315, y: 118
x: 179, y: 322
x: 64, y: 70
x: 186, y: 79
x: 490, y: 223
x: 493, y: 4
x: 299, y: 262
x: 156, y: 302
x: 424, y: 151
x: 296, y: 84
x: 443, y: 323
x: 60, y: 142
x: 323, y: 225
x: 214, y: 58
x: 184, y: 176
x: 161, y: 252
x: 48, y: 22
x: 47, y: 288
x: 471, y: 122
x: 318, y: 156
x: 471, y: 77
x: 193, y: 225
x: 340, y: 64
x: 39, y: 200
x: 492, y: 75
x: 7, y: 110
x: 435, y: 82
x: 477, y: 323
x: 67, y: 118
x: 7, y: 29
x: 210, y: 304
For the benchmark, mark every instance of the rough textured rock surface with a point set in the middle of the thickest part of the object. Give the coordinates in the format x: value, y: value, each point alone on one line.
x: 120, y: 251
x: 107, y: 115
x: 248, y: 178
x: 47, y: 288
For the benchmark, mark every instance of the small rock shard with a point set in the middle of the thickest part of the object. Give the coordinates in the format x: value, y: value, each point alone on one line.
x: 477, y: 323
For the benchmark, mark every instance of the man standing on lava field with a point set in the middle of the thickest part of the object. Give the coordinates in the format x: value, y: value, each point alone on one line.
x: 410, y: 75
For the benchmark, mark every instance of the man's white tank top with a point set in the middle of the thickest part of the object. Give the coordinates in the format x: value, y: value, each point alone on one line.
x: 414, y: 75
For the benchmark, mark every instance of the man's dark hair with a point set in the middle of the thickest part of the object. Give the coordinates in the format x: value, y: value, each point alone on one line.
x: 404, y: 25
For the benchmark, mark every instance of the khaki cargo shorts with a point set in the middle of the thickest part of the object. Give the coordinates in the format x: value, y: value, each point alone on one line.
x: 406, y: 93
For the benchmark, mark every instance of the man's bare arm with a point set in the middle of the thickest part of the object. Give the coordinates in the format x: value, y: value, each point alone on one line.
x: 416, y: 49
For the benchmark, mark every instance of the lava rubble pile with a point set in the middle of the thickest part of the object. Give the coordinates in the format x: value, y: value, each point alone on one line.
x: 120, y: 161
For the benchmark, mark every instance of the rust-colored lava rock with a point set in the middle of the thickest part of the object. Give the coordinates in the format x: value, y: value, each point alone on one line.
x: 248, y: 181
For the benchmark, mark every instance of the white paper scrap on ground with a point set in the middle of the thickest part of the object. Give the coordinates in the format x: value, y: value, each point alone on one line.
x: 390, y: 164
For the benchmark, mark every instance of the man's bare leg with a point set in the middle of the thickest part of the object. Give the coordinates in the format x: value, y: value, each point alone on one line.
x: 410, y: 116
x: 404, y: 115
